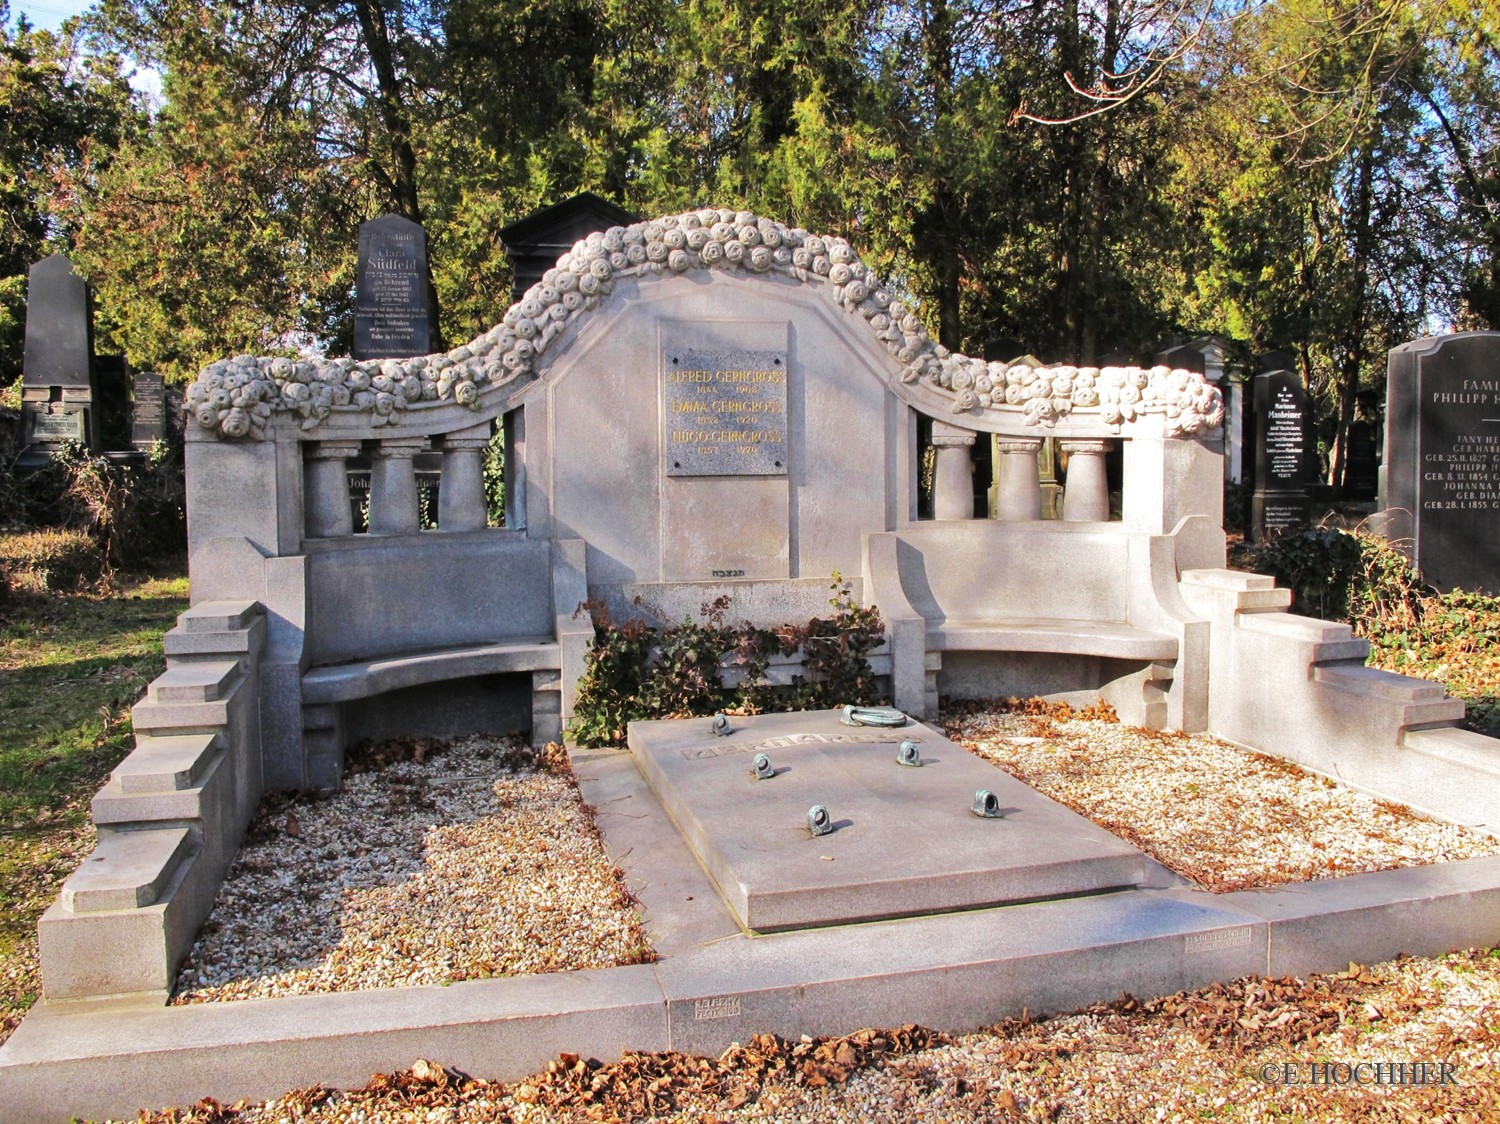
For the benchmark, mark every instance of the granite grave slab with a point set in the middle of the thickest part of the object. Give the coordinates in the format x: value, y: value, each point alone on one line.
x: 905, y: 840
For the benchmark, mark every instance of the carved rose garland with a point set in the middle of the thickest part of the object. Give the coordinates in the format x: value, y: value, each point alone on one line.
x: 236, y: 397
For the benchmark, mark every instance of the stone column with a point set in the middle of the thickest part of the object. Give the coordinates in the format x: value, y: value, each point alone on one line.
x: 326, y: 489
x: 1019, y: 495
x: 1087, y: 497
x: 393, y: 487
x: 461, y: 505
x: 953, y: 483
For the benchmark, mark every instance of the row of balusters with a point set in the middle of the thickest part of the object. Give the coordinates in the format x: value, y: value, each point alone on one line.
x: 1018, y: 492
x: 394, y: 502
x: 461, y: 498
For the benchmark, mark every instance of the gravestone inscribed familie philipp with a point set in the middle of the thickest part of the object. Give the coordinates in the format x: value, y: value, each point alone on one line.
x: 1281, y: 448
x: 1443, y: 457
x: 391, y: 316
x: 724, y: 413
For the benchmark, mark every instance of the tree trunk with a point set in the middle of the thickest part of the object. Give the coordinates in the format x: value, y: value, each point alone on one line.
x: 377, y: 40
x: 1354, y: 334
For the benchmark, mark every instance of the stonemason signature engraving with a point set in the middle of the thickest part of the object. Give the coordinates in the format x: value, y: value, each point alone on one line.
x: 1218, y: 939
x: 719, y: 1007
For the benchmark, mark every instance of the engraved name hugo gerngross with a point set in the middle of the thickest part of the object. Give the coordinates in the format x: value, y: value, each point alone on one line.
x: 724, y: 413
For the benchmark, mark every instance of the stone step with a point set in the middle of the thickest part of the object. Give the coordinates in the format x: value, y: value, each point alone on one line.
x: 113, y: 805
x: 165, y: 762
x: 1384, y: 684
x: 181, y: 644
x: 127, y: 870
x: 206, y: 681
x: 179, y: 718
x: 1330, y: 642
x: 219, y: 616
x: 1458, y: 747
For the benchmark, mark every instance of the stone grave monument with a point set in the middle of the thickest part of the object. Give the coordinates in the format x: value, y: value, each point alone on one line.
x: 1362, y: 481
x: 68, y: 393
x: 1440, y: 497
x: 1282, y: 449
x: 1208, y: 355
x: 57, y: 376
x: 708, y: 405
x: 148, y: 410
x: 392, y: 315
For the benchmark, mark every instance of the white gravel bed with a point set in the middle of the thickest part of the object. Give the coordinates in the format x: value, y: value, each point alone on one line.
x: 1225, y: 817
x: 451, y: 864
x: 475, y: 861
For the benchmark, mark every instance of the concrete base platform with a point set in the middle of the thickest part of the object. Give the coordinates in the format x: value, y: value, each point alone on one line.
x: 903, y: 840
x: 714, y: 984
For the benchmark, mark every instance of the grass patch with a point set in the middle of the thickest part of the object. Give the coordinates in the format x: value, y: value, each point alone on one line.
x: 49, y: 561
x: 71, y: 666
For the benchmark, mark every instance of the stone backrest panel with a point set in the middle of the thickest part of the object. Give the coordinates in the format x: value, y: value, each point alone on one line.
x: 992, y: 571
x: 599, y: 440
x: 378, y: 597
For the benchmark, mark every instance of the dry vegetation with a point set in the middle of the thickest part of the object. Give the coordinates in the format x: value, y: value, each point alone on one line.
x: 1200, y: 1055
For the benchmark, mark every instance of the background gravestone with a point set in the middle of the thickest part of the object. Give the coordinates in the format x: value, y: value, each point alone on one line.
x: 1441, y: 490
x: 1282, y: 448
x: 148, y: 410
x: 392, y: 315
x: 1209, y: 356
x: 1362, y: 482
x: 534, y: 243
x: 57, y: 376
x: 110, y: 415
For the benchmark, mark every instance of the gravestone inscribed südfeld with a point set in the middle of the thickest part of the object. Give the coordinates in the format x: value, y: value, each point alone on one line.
x: 1280, y: 499
x: 1443, y: 458
x: 391, y: 314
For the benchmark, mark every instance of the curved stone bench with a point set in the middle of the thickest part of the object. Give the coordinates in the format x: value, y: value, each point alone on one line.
x: 325, y: 689
x: 1105, y: 620
x: 1109, y: 639
x: 367, y: 678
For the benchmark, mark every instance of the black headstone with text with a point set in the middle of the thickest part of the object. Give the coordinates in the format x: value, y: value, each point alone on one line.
x: 57, y: 374
x: 1282, y: 450
x: 148, y: 409
x: 1441, y: 488
x: 392, y: 316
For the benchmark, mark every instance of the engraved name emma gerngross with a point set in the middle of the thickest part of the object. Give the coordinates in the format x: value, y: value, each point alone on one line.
x: 724, y: 413
x: 873, y: 737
